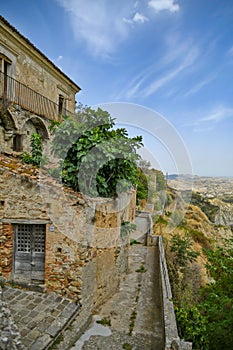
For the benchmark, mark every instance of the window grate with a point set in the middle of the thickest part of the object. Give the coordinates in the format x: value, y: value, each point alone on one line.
x: 39, y: 233
x: 24, y: 238
x: 30, y: 238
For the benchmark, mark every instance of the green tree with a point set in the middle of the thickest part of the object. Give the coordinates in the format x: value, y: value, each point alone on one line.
x: 182, y: 247
x: 142, y: 187
x: 217, y: 297
x: 192, y: 326
x: 96, y: 158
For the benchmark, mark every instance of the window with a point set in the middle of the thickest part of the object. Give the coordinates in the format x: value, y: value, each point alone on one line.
x: 60, y: 105
x: 18, y: 143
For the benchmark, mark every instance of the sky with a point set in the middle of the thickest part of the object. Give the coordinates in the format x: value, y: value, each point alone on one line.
x: 153, y: 64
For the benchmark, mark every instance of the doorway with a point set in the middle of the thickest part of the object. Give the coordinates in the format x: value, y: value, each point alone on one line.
x: 29, y: 253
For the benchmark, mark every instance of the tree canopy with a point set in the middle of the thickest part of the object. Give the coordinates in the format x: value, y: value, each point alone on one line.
x: 96, y: 158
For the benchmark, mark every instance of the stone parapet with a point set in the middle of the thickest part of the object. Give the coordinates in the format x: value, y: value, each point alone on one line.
x: 172, y: 340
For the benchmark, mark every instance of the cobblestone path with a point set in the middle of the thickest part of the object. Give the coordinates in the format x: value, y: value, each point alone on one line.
x: 39, y: 316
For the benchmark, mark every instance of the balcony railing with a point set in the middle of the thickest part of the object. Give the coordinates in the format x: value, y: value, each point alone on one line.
x: 14, y: 92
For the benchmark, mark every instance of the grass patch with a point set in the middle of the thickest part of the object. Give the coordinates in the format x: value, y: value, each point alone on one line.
x: 200, y: 238
x: 105, y: 321
x: 142, y: 269
x: 127, y: 346
x: 59, y: 339
x: 132, y: 321
x: 133, y: 241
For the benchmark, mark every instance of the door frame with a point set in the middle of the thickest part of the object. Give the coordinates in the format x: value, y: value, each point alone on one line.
x: 29, y: 280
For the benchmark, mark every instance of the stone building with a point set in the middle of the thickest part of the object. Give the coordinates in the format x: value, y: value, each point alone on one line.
x: 55, y: 239
x: 51, y: 238
x: 32, y: 90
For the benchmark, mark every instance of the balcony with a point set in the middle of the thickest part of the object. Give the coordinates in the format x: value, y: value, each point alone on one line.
x: 14, y: 92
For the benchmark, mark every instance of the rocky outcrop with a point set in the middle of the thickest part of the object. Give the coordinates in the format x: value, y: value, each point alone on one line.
x: 225, y: 213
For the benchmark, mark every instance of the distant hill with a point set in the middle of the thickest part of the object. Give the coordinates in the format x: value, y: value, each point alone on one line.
x: 210, y: 187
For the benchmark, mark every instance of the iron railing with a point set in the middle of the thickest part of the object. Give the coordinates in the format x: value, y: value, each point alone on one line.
x: 13, y: 91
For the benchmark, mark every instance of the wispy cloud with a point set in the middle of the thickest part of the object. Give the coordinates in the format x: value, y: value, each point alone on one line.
x: 199, y: 86
x: 218, y: 114
x: 161, y: 5
x: 208, y: 120
x: 230, y: 52
x: 187, y: 61
x: 102, y: 24
x: 98, y: 24
x: 150, y: 80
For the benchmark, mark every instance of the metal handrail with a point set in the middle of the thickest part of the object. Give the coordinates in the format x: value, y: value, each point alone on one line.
x: 20, y: 94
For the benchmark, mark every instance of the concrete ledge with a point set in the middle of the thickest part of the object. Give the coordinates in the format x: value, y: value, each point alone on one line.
x: 172, y: 340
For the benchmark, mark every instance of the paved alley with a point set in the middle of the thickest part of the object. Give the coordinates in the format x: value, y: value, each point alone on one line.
x: 40, y: 317
x: 134, y: 314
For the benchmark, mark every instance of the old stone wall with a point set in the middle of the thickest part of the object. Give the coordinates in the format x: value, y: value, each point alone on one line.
x: 17, y: 121
x: 85, y: 253
x: 6, y: 244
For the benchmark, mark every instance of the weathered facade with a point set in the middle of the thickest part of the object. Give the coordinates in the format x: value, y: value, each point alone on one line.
x: 60, y: 240
x: 32, y: 90
x: 51, y: 237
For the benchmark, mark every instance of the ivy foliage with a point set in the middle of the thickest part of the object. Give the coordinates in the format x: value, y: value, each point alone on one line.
x: 36, y: 155
x: 95, y: 157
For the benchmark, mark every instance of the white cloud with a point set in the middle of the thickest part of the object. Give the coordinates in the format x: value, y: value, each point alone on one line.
x: 102, y: 25
x: 160, y: 5
x: 218, y: 114
x: 138, y: 17
x: 98, y: 24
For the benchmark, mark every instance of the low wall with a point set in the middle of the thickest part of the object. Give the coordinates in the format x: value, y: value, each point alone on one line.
x: 172, y: 340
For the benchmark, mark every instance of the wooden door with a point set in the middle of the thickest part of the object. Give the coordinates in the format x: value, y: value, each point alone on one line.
x: 29, y: 256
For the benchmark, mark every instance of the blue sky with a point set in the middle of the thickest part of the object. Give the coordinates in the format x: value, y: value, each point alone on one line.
x: 174, y: 57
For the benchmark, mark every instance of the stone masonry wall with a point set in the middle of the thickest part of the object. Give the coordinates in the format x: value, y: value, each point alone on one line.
x: 6, y: 248
x: 85, y: 253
